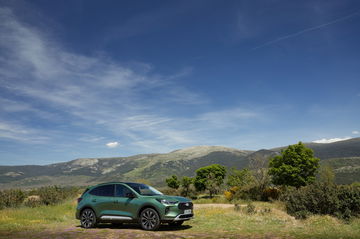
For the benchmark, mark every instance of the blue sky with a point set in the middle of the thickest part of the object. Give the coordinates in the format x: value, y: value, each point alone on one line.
x: 117, y: 78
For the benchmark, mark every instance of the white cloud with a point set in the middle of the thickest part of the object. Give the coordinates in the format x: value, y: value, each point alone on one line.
x: 355, y: 132
x: 326, y: 141
x: 112, y: 144
x: 100, y: 96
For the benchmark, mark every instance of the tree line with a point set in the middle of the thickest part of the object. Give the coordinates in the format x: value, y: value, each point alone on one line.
x: 294, y: 176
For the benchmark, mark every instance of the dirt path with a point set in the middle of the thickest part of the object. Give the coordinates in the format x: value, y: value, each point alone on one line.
x: 109, y: 232
x: 220, y: 205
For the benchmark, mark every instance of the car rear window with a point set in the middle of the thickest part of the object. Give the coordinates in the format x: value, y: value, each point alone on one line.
x: 105, y: 190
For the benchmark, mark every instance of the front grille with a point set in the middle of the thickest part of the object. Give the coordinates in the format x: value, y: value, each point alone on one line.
x: 185, y: 205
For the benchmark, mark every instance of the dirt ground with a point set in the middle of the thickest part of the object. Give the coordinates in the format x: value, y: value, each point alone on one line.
x: 128, y: 231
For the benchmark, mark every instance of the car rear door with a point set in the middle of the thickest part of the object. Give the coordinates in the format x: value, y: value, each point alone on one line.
x: 102, y: 199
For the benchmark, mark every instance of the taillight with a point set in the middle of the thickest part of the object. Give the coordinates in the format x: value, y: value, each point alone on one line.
x: 79, y: 200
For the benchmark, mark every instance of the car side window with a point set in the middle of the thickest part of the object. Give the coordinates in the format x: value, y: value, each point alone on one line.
x: 105, y: 190
x: 121, y: 191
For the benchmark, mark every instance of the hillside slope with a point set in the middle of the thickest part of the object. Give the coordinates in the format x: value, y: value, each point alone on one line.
x: 343, y: 156
x: 149, y: 167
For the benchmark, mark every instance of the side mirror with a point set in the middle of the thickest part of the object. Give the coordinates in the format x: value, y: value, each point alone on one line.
x: 130, y: 195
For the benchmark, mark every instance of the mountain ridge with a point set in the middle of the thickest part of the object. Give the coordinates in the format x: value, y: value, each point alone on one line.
x: 153, y: 168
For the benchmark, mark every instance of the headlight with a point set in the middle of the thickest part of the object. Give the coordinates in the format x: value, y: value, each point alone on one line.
x: 167, y: 202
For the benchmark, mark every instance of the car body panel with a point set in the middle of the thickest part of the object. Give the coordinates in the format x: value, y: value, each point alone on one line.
x: 110, y: 208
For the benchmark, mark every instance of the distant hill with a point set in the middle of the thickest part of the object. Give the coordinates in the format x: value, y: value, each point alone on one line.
x: 344, y: 156
x: 340, y: 149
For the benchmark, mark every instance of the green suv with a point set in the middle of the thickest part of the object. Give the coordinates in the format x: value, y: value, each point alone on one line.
x: 118, y: 202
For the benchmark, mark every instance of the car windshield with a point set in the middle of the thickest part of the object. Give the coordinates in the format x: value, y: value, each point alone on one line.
x: 144, y: 189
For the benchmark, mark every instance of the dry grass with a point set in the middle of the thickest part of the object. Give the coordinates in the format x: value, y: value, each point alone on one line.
x: 211, y: 221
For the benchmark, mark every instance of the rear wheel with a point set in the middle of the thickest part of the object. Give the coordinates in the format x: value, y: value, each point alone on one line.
x: 149, y: 219
x: 176, y: 223
x: 88, y: 218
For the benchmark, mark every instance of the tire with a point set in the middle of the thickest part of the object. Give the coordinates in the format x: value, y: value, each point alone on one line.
x: 88, y: 218
x: 149, y: 219
x: 176, y: 223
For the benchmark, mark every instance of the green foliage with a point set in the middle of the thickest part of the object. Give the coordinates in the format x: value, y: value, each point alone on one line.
x: 42, y: 196
x: 186, y: 183
x: 210, y: 178
x: 326, y: 174
x: 296, y: 166
x: 239, y: 178
x: 250, y: 208
x: 342, y: 201
x: 173, y: 182
x: 11, y: 198
x: 55, y: 194
x: 244, y: 185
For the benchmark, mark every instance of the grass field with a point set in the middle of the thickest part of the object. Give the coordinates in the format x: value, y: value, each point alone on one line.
x: 211, y: 221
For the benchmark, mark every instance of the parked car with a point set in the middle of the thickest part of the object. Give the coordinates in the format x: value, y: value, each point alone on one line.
x: 118, y: 202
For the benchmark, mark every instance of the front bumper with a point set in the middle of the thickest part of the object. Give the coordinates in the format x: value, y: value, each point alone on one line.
x: 184, y: 217
x: 177, y: 212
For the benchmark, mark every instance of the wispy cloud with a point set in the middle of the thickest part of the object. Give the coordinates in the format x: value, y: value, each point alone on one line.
x: 355, y: 132
x: 305, y: 30
x: 93, y: 99
x: 21, y: 133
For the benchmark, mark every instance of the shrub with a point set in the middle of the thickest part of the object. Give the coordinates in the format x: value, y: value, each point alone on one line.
x: 173, y: 182
x: 342, y: 201
x: 32, y: 201
x: 271, y: 193
x: 11, y: 198
x: 54, y: 194
x: 250, y: 208
x: 252, y: 192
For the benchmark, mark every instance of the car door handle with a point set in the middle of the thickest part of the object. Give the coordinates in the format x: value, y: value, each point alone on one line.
x: 116, y: 201
x: 94, y: 200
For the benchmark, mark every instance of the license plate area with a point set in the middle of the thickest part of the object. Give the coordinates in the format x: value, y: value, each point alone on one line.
x: 187, y: 211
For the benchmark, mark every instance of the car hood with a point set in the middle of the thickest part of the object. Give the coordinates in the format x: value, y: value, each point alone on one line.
x: 171, y: 198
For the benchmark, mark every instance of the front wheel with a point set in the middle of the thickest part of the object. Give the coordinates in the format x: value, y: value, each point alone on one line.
x: 88, y: 218
x: 149, y: 219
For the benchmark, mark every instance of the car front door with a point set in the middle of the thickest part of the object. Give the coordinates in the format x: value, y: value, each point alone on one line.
x: 123, y: 204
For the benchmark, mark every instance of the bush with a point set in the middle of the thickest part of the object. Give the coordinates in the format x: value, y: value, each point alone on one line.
x: 252, y: 192
x: 36, y: 197
x: 341, y: 201
x: 53, y: 194
x: 250, y: 208
x: 11, y: 198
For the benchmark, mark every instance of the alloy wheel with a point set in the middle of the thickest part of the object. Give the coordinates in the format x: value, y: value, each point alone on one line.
x: 88, y: 218
x: 149, y: 219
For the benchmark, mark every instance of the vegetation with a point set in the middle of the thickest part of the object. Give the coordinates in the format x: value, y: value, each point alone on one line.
x: 186, y: 183
x: 341, y: 201
x: 210, y: 178
x: 36, y: 197
x: 173, y: 182
x: 254, y: 220
x: 296, y: 166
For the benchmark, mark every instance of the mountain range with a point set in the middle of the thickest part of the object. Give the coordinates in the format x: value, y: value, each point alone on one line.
x: 343, y: 156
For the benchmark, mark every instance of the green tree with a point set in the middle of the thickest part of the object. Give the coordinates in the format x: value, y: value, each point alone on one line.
x: 326, y: 174
x: 296, y: 166
x: 210, y: 178
x: 185, y: 184
x: 239, y: 178
x: 173, y: 182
